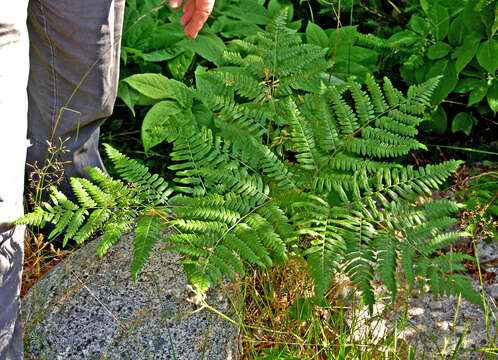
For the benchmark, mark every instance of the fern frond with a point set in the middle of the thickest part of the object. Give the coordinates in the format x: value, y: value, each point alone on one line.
x: 345, y: 115
x: 393, y: 95
x: 348, y: 162
x: 370, y: 147
x: 363, y: 104
x: 376, y: 95
x: 421, y: 94
x: 153, y: 187
x: 273, y: 166
x: 35, y: 218
x: 407, y: 260
x: 316, y: 110
x: 360, y: 257
x: 440, y: 241
x: 303, y: 139
x: 148, y: 231
x: 389, y: 138
x: 92, y: 224
x: 74, y: 225
x: 395, y: 126
x: 112, y: 234
x: 386, y: 247
x: 82, y: 194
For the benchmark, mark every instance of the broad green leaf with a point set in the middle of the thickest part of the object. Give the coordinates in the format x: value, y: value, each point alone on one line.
x: 487, y: 55
x: 124, y: 93
x: 157, y: 86
x: 440, y: 21
x: 295, y: 25
x: 220, y: 22
x: 210, y: 47
x: 138, y: 34
x: 160, y: 55
x: 426, y: 5
x: 472, y: 18
x: 457, y: 31
x: 492, y: 96
x: 274, y: 7
x: 180, y: 65
x: 150, y: 5
x: 131, y: 97
x: 346, y: 39
x: 463, y: 122
x: 249, y: 11
x: 439, y: 121
x: 487, y: 11
x: 344, y: 69
x: 165, y: 36
x: 149, y: 67
x: 438, y: 50
x: 421, y: 72
x: 466, y: 85
x: 464, y: 53
x: 364, y: 56
x: 405, y: 38
x: 203, y: 116
x: 238, y: 29
x: 419, y: 25
x: 155, y: 127
x: 494, y: 27
x: 315, y: 35
x: 446, y: 68
x: 125, y: 50
x: 454, y: 7
x: 478, y: 93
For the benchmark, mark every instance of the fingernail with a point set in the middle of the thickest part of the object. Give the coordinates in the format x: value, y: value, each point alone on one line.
x: 174, y: 4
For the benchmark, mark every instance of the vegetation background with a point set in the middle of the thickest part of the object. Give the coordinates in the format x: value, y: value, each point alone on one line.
x: 232, y: 84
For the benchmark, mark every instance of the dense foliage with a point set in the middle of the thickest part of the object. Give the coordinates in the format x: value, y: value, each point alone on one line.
x: 455, y: 39
x: 274, y: 157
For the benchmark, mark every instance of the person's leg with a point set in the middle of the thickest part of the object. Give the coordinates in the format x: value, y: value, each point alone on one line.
x: 13, y: 143
x: 74, y: 57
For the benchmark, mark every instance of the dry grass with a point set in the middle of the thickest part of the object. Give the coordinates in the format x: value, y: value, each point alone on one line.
x: 284, y: 320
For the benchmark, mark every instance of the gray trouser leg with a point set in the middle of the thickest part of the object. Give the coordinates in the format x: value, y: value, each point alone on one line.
x: 74, y: 58
x: 13, y: 108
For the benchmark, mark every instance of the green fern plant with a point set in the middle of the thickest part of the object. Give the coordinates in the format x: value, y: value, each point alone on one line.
x: 286, y: 164
x: 110, y: 205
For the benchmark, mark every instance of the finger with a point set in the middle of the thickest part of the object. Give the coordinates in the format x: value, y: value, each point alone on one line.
x: 188, y: 11
x: 175, y: 4
x: 205, y: 6
x: 202, y: 11
x: 195, y: 24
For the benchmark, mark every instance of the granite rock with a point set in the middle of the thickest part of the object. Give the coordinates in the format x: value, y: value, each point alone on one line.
x: 90, y: 308
x: 434, y: 326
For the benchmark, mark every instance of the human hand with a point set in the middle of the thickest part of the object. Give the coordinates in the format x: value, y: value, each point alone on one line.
x: 195, y: 14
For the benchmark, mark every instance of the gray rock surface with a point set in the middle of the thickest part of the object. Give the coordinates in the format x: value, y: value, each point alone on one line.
x: 87, y: 308
x: 432, y: 326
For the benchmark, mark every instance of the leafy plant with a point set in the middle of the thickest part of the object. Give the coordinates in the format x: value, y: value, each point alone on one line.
x: 278, y: 162
x: 455, y: 39
x: 150, y: 45
x: 153, y: 40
